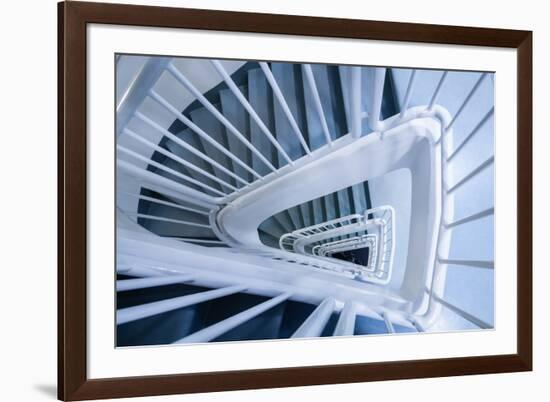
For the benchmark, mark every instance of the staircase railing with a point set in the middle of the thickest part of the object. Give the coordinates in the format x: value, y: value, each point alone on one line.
x: 377, y: 223
x: 209, y: 198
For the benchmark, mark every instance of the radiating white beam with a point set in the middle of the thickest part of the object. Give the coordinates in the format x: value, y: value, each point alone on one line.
x: 346, y: 322
x: 469, y: 263
x: 160, y: 166
x: 176, y: 158
x: 472, y: 174
x: 194, y: 240
x: 471, y: 218
x: 313, y: 326
x: 355, y: 101
x: 150, y: 309
x: 201, y: 133
x: 308, y: 72
x: 417, y: 325
x: 377, y: 92
x: 478, y: 126
x: 220, y: 328
x: 212, y: 109
x: 437, y: 90
x: 466, y: 100
x: 280, y: 97
x: 244, y: 102
x: 186, y: 193
x: 467, y: 316
x: 408, y: 94
x: 137, y: 91
x: 142, y: 283
x: 389, y: 325
x: 188, y: 147
x: 171, y: 220
x: 162, y: 202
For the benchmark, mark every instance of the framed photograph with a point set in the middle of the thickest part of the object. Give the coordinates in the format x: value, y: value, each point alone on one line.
x: 253, y: 200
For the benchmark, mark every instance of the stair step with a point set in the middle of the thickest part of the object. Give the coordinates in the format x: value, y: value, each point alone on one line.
x: 192, y: 139
x: 305, y: 214
x: 285, y: 220
x: 289, y: 79
x: 358, y: 198
x: 344, y: 205
x: 369, y: 326
x: 343, y: 71
x: 268, y: 239
x: 272, y: 228
x: 330, y: 206
x: 328, y: 86
x: 317, y: 208
x: 238, y: 116
x: 260, y: 97
x: 208, y: 122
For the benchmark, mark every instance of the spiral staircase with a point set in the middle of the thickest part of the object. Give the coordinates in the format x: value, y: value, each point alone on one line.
x: 264, y: 200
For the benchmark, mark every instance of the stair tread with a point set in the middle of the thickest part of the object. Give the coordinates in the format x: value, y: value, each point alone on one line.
x: 238, y: 116
x: 208, y: 122
x: 289, y: 78
x: 191, y: 138
x: 260, y: 98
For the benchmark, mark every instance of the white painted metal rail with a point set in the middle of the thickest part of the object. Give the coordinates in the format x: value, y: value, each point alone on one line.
x: 209, y: 198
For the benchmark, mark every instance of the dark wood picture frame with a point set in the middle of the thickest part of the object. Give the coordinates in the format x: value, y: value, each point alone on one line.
x: 73, y: 383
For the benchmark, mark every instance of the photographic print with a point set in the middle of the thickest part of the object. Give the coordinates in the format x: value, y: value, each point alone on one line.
x: 251, y: 200
x: 273, y: 200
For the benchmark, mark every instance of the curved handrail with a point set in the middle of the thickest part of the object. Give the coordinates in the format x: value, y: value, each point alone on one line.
x: 437, y: 271
x: 298, y: 240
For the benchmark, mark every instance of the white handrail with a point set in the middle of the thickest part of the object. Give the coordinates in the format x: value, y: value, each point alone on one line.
x: 376, y: 93
x: 380, y: 264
